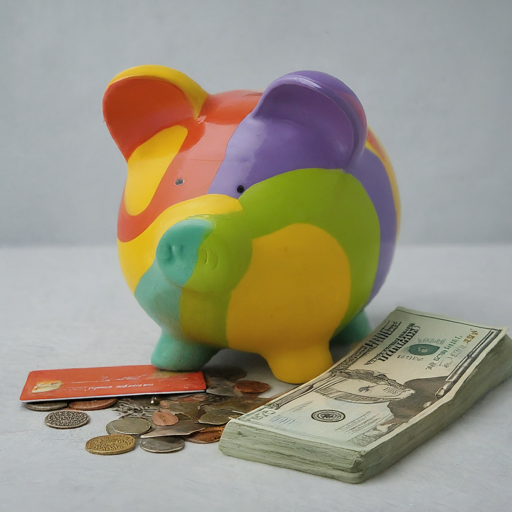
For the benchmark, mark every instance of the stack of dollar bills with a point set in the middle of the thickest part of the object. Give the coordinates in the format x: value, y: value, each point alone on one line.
x: 414, y: 375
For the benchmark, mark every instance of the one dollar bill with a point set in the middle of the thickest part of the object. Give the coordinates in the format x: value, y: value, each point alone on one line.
x: 398, y: 379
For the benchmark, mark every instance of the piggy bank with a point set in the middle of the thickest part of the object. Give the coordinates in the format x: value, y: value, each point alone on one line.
x: 263, y: 222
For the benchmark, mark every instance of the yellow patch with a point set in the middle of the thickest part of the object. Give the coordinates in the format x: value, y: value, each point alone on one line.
x: 292, y: 298
x: 147, y: 166
x: 137, y: 255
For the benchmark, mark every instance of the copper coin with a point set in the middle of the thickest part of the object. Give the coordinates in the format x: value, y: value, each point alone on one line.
x: 164, y: 418
x: 206, y: 436
x: 66, y: 419
x: 93, y: 405
x: 251, y: 386
x: 199, y: 397
x: 45, y: 406
x: 110, y: 445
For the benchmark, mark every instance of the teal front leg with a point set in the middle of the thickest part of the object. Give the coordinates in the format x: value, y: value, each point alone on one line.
x: 180, y: 355
x: 355, y: 331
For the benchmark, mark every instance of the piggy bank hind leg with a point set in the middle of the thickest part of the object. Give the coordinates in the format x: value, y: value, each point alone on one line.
x: 180, y: 355
x: 300, y: 364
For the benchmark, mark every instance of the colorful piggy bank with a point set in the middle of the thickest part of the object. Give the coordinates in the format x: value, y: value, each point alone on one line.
x: 261, y: 222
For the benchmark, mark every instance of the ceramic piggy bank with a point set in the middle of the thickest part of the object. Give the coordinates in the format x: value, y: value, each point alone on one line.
x: 264, y: 222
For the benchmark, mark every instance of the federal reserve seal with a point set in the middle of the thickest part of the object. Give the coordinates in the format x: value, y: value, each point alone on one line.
x: 328, y: 415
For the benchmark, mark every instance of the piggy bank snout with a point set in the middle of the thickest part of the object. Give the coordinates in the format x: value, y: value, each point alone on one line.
x: 204, y: 254
x: 179, y: 248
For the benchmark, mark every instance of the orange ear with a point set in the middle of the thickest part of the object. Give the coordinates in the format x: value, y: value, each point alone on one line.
x: 142, y: 101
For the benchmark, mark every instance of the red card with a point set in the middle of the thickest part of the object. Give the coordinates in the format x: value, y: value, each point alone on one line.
x: 43, y: 385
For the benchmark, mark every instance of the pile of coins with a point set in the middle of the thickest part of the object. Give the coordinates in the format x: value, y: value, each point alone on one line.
x: 162, y: 424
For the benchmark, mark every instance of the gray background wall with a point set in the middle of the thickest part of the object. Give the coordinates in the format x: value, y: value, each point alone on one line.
x: 434, y: 78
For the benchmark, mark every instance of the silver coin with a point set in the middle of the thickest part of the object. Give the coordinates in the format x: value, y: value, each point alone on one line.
x: 224, y: 391
x: 190, y: 409
x: 130, y: 426
x: 45, y: 406
x: 162, y: 444
x: 182, y: 428
x: 218, y: 417
x: 110, y: 429
x: 66, y: 419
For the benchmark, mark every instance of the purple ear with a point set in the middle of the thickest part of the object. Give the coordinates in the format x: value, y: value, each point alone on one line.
x: 322, y: 103
x: 303, y: 120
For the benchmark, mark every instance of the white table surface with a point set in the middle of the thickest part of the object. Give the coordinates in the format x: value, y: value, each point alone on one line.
x: 65, y: 307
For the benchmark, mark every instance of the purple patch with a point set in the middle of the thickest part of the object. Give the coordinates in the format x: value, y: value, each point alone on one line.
x: 371, y: 173
x: 303, y: 120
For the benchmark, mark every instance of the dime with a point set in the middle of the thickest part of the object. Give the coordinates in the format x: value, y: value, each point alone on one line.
x: 110, y: 445
x: 45, y: 406
x: 231, y: 373
x: 206, y: 436
x: 131, y: 426
x: 66, y: 419
x: 93, y: 405
x: 251, y: 386
x: 164, y: 418
x: 183, y: 428
x: 162, y: 444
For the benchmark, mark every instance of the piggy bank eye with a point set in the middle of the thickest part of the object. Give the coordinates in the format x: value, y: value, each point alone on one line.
x: 240, y: 189
x: 179, y: 181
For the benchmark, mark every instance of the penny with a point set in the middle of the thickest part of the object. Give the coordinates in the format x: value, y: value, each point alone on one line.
x: 206, y: 436
x: 131, y: 426
x: 164, y: 418
x: 162, y: 444
x: 182, y: 428
x: 251, y: 386
x: 66, y: 419
x: 45, y: 406
x: 231, y: 373
x: 93, y: 405
x: 110, y: 445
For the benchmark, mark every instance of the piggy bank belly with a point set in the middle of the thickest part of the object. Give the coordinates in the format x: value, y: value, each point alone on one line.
x: 292, y: 298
